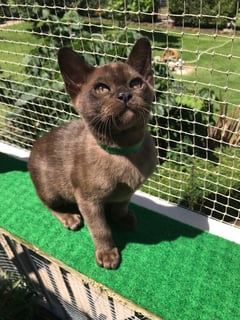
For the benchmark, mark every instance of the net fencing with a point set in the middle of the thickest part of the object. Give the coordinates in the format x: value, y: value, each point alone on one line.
x: 196, y: 55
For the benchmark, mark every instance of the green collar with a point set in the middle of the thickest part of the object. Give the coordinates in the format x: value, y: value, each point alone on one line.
x: 121, y: 151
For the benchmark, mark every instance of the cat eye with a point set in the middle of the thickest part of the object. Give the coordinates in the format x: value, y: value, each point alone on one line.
x: 101, y: 88
x: 136, y: 83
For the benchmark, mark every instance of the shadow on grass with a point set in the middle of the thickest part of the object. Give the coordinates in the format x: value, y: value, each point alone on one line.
x: 8, y: 163
x: 153, y: 228
x: 163, y: 39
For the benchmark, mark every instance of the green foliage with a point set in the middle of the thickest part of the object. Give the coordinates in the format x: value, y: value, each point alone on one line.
x: 40, y: 101
x: 4, y: 10
x: 18, y: 300
x: 181, y: 128
x: 35, y: 9
x: 100, y: 45
x: 163, y: 83
x: 134, y: 10
x: 205, y: 13
x: 90, y: 7
x: 206, y: 186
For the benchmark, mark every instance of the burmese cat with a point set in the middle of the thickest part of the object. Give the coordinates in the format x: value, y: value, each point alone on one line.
x: 98, y: 162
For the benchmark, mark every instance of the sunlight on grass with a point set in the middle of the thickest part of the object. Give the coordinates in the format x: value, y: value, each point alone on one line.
x: 16, y: 41
x: 216, y: 62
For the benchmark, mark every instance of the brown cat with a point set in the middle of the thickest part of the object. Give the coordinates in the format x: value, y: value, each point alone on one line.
x: 99, y: 161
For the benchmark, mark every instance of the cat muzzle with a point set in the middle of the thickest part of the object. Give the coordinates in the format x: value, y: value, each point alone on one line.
x: 124, y: 96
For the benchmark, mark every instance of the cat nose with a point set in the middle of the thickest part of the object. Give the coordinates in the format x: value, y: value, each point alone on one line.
x: 124, y: 96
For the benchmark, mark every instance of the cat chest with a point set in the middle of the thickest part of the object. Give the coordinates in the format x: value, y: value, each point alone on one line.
x: 122, y: 192
x: 126, y: 181
x: 130, y: 177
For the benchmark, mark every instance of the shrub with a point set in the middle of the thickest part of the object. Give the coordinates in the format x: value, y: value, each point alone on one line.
x: 5, y: 10
x: 40, y: 101
x: 18, y: 300
x: 41, y: 10
x: 205, y: 13
x: 134, y: 10
x: 181, y: 129
x: 205, y: 186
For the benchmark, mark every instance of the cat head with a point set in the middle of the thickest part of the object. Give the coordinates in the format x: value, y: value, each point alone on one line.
x: 113, y: 97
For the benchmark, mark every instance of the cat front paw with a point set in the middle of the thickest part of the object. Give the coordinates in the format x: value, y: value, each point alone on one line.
x: 108, y: 258
x: 70, y: 221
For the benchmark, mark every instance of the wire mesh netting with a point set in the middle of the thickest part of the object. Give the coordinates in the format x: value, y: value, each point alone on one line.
x: 196, y: 55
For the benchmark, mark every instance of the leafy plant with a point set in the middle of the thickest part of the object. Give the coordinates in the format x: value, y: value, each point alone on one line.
x: 208, y: 13
x: 181, y: 129
x: 18, y: 300
x: 105, y: 50
x: 40, y: 101
x: 42, y: 9
x: 132, y: 10
x: 4, y: 10
x: 36, y: 101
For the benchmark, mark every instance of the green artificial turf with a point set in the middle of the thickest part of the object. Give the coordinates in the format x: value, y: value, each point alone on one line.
x: 173, y: 270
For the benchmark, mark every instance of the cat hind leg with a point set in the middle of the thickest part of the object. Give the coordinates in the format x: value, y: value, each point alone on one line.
x: 121, y: 215
x: 128, y: 221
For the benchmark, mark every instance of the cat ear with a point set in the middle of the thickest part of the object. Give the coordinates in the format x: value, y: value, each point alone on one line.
x: 74, y: 70
x: 140, y: 59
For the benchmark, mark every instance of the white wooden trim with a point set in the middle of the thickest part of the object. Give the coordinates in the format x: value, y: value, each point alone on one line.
x: 16, y: 152
x: 186, y: 216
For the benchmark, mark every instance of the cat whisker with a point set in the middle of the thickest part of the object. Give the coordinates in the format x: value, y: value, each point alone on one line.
x: 99, y: 125
x: 107, y: 128
x: 102, y: 126
x: 142, y: 113
x: 115, y: 123
x: 97, y: 122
